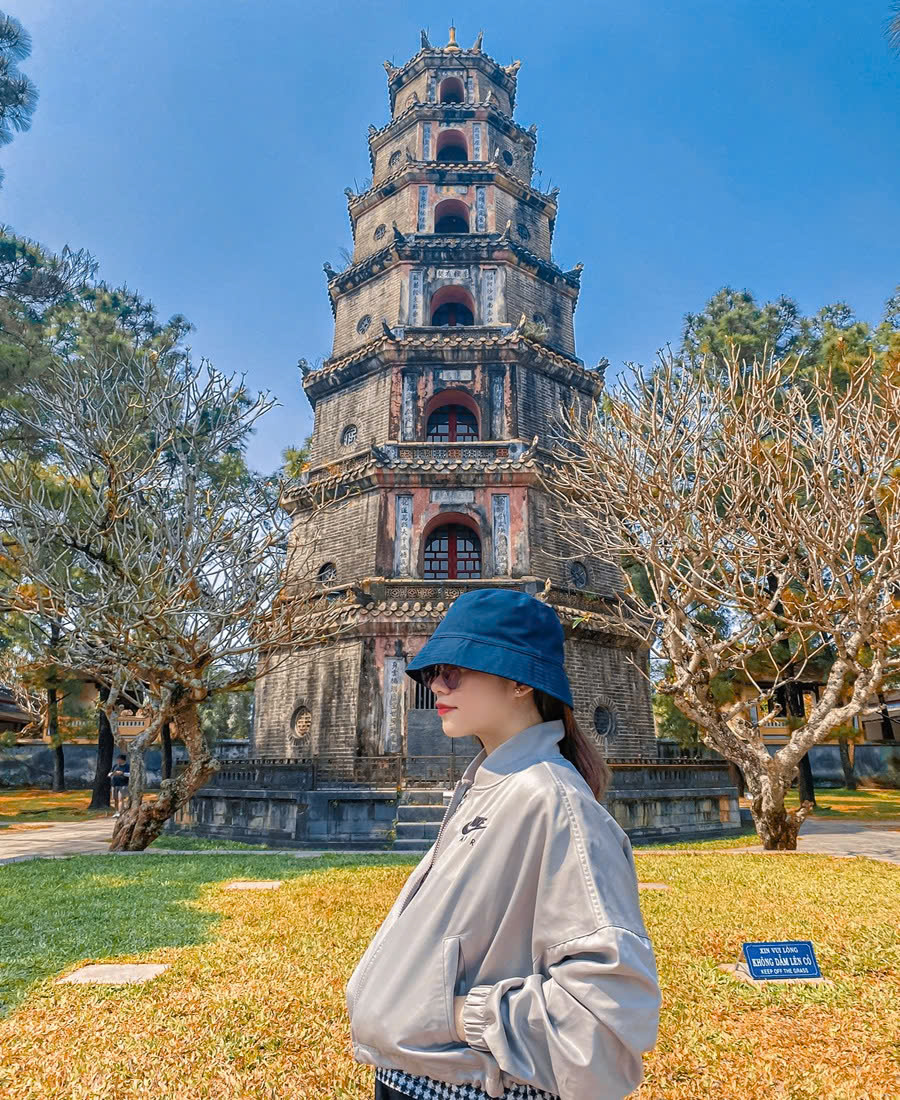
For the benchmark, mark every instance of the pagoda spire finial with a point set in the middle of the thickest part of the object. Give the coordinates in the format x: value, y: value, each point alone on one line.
x: 452, y: 44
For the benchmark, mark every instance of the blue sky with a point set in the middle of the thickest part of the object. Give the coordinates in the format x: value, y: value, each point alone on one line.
x: 200, y: 148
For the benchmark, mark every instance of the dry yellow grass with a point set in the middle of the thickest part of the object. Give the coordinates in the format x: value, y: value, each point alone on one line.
x: 258, y: 1012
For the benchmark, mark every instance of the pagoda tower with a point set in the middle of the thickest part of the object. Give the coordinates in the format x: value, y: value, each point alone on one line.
x: 454, y: 348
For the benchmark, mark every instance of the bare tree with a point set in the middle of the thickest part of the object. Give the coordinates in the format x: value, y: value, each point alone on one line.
x: 757, y: 521
x: 164, y: 559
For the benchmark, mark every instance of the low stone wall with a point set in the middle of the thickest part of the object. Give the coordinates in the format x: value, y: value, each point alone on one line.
x: 291, y: 819
x: 650, y: 802
x: 875, y: 764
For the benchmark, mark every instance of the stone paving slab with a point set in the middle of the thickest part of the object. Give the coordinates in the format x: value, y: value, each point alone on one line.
x: 114, y: 973
x: 258, y: 884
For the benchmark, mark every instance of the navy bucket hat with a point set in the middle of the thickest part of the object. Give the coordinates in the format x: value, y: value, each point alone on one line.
x: 504, y: 632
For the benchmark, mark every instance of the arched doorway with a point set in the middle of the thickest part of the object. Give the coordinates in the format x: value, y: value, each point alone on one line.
x: 451, y: 424
x: 452, y: 552
x: 451, y: 216
x: 452, y: 146
x: 452, y: 305
x: 451, y: 90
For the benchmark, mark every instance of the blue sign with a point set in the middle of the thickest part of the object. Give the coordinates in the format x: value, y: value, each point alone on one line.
x: 781, y: 959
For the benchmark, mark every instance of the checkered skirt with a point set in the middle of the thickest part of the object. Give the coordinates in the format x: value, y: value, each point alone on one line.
x: 426, y: 1088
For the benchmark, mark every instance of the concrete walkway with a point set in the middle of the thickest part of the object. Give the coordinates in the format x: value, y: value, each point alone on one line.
x: 69, y: 838
x: 875, y: 839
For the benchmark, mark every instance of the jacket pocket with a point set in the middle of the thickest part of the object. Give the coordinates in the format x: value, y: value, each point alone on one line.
x: 454, y: 970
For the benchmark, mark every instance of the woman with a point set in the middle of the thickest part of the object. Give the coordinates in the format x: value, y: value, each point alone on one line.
x: 515, y: 961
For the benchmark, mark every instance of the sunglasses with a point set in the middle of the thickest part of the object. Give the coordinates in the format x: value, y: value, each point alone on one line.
x: 450, y: 674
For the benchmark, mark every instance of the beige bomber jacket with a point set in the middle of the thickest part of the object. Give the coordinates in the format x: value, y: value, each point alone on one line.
x: 527, y: 905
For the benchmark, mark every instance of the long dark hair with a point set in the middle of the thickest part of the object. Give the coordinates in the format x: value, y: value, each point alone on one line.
x: 575, y: 746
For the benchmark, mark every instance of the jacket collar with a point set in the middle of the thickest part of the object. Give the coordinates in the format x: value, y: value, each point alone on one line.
x: 528, y: 746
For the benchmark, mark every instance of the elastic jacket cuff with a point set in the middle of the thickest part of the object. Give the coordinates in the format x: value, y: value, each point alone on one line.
x: 473, y: 1016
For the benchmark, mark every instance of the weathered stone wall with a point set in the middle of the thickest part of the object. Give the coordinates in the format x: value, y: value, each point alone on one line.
x: 327, y: 682
x: 527, y: 294
x: 601, y: 675
x: 377, y: 298
x: 547, y: 546
x: 365, y: 403
x: 345, y: 533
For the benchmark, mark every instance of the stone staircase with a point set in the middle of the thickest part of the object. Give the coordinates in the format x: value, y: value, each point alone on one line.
x: 420, y: 812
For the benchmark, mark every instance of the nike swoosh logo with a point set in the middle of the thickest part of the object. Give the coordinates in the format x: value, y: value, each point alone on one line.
x: 476, y: 823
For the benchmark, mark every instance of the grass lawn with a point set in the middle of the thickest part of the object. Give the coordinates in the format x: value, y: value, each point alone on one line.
x: 253, y: 1002
x: 35, y: 804
x: 837, y: 802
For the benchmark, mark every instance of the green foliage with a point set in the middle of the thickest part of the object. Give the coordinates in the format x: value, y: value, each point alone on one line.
x: 18, y: 95
x: 227, y: 715
x: 296, y: 459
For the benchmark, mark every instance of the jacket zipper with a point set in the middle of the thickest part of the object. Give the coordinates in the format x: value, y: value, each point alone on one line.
x: 434, y: 852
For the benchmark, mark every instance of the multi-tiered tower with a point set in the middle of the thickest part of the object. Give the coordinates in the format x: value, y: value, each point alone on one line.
x: 453, y: 349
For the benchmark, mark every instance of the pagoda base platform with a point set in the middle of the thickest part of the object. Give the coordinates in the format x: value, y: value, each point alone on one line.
x: 652, y: 802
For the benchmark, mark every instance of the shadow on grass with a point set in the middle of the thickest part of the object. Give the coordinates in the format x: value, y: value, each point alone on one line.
x: 56, y: 912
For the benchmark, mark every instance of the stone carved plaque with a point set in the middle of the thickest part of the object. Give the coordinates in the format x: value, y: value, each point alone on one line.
x: 426, y: 141
x: 497, y: 428
x: 457, y: 374
x: 476, y: 141
x: 415, y: 297
x: 500, y: 525
x: 408, y: 407
x: 423, y: 206
x: 488, y: 283
x: 453, y: 496
x: 453, y: 273
x: 480, y: 209
x: 402, y: 534
x: 394, y: 701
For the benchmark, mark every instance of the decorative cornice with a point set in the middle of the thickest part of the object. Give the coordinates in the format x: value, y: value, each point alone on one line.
x: 441, y: 110
x: 507, y: 344
x: 430, y: 57
x: 486, y: 170
x: 428, y: 247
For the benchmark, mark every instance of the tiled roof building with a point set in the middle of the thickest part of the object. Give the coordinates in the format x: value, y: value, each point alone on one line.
x: 454, y: 349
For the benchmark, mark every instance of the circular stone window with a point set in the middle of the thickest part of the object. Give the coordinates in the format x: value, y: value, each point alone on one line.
x: 604, y: 721
x: 523, y: 231
x: 507, y: 157
x: 380, y: 232
x: 300, y: 726
x: 577, y: 572
x: 394, y: 158
x: 363, y: 323
x: 538, y: 319
x: 327, y: 572
x: 348, y: 435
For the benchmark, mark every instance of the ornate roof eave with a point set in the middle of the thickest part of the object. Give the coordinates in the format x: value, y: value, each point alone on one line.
x: 503, y: 342
x: 376, y: 470
x: 379, y: 136
x: 421, y: 246
x: 430, y: 57
x: 487, y: 171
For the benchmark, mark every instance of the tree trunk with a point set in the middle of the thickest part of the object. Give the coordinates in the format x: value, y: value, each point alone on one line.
x: 805, y: 788
x: 142, y: 822
x: 887, y: 726
x: 777, y: 828
x: 790, y: 698
x: 105, y: 747
x: 59, y: 762
x: 166, y: 755
x: 847, y: 762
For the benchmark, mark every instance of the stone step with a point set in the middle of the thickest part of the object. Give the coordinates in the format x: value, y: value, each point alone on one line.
x: 411, y: 846
x: 417, y: 830
x: 422, y: 796
x: 420, y: 813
